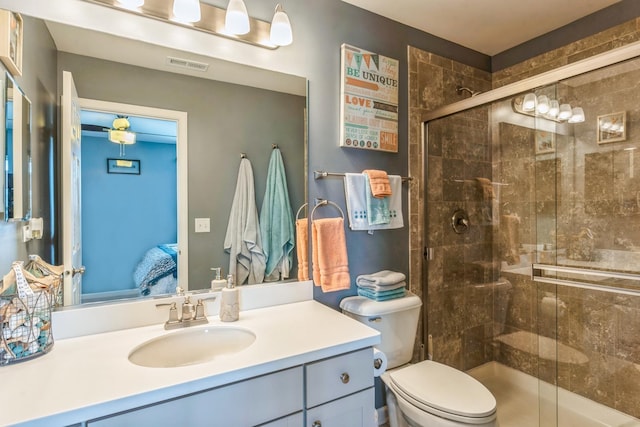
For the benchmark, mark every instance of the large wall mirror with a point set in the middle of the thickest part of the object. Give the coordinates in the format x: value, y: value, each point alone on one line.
x: 17, y: 153
x: 246, y: 114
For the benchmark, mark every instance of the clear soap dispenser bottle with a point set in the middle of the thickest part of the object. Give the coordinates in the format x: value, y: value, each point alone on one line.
x: 218, y: 283
x: 229, y: 305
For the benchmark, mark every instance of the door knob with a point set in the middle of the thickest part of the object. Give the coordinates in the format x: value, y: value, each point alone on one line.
x: 75, y: 271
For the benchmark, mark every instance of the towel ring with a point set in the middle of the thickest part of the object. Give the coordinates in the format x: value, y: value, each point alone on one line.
x: 300, y: 210
x: 323, y: 202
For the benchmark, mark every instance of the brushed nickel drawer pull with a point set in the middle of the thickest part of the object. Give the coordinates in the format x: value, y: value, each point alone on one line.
x: 344, y: 378
x: 316, y: 424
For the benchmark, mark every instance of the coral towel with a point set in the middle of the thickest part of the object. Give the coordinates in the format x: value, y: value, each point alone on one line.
x: 330, y: 261
x: 302, y: 248
x: 379, y: 182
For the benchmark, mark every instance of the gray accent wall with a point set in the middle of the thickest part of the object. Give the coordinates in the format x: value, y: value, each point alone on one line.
x: 38, y: 81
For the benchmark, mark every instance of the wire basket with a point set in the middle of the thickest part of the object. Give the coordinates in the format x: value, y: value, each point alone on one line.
x: 25, y: 318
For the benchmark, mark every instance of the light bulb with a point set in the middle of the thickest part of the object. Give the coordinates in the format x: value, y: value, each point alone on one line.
x: 236, y: 20
x: 529, y: 102
x: 577, y: 115
x: 554, y: 108
x: 186, y: 10
x: 543, y: 104
x: 565, y: 112
x: 281, y: 33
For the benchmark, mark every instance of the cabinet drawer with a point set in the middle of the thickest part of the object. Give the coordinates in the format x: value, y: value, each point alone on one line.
x: 341, y: 375
x: 245, y: 403
x: 351, y: 411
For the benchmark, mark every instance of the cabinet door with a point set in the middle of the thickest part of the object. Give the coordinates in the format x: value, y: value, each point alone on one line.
x: 247, y: 403
x: 356, y: 410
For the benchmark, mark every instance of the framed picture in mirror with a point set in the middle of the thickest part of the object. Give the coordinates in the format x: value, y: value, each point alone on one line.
x: 11, y: 28
x: 545, y: 142
x: 612, y: 127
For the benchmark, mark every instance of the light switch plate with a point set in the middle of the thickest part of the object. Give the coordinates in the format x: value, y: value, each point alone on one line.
x: 203, y: 225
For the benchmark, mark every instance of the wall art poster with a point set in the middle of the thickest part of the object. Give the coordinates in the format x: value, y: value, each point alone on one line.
x: 369, y: 100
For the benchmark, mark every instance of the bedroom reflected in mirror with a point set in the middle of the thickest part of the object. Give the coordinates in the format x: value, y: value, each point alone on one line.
x: 129, y: 219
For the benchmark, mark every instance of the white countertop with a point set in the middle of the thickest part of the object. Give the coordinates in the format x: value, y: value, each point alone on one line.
x: 90, y: 376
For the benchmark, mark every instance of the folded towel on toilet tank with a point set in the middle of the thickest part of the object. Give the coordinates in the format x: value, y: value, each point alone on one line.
x: 382, y: 295
x: 380, y: 278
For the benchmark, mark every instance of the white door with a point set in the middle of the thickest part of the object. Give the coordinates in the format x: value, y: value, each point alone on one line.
x: 71, y: 196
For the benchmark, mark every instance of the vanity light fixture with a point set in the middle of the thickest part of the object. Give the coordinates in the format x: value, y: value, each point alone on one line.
x: 232, y: 23
x: 551, y: 109
x: 281, y: 33
x: 186, y: 10
x: 236, y: 20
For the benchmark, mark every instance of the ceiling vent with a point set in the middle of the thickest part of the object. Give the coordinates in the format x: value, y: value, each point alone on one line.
x: 186, y: 63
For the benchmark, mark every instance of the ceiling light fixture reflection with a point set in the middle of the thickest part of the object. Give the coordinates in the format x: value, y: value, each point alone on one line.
x: 529, y: 103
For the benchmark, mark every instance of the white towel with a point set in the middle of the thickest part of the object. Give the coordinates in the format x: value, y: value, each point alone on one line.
x: 355, y: 189
x: 243, y: 241
x: 380, y: 278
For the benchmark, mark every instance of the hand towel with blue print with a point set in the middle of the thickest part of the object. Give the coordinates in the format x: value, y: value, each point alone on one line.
x: 355, y: 188
x: 377, y: 207
x: 276, y: 221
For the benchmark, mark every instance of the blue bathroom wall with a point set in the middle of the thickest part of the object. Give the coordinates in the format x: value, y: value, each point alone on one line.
x: 113, y: 239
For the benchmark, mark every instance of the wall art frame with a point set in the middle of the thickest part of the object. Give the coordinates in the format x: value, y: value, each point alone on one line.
x: 11, y: 37
x: 612, y: 127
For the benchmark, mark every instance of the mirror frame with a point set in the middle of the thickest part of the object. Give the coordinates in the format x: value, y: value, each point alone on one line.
x: 19, y: 209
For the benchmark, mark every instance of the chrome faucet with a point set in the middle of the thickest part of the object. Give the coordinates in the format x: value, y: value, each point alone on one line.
x: 191, y: 315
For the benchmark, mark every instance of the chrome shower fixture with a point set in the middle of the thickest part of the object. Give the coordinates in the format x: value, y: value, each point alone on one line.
x: 473, y: 93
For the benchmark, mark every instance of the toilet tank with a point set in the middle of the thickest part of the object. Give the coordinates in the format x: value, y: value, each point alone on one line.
x: 396, y: 320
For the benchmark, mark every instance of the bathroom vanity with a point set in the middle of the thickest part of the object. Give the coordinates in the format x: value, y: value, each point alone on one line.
x: 309, y: 365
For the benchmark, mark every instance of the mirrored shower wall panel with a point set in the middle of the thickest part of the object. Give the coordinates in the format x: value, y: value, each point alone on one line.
x: 559, y: 198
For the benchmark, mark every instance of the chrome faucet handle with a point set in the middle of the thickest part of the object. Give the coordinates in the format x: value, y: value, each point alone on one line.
x: 173, y: 312
x: 200, y: 314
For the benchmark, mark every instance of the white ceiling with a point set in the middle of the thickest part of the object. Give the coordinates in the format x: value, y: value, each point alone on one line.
x: 487, y: 26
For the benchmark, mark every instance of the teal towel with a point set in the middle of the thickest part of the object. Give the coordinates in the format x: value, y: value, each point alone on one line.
x: 382, y: 295
x: 276, y: 221
x: 377, y: 208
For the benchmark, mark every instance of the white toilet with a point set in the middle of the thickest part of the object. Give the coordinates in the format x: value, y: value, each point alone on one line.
x: 426, y: 394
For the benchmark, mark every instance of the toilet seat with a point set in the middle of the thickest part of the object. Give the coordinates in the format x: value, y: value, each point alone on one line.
x: 444, y: 391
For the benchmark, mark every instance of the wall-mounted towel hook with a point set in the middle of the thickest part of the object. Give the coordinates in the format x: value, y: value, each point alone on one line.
x: 243, y: 156
x: 324, y: 202
x: 274, y: 146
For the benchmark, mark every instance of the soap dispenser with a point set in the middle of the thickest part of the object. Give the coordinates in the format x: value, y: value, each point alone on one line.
x: 218, y: 283
x: 229, y: 305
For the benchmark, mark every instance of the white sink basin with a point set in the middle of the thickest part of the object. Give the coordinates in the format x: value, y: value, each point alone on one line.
x: 190, y: 347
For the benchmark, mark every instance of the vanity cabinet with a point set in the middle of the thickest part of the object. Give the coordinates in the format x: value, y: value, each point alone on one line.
x: 246, y: 403
x: 339, y: 391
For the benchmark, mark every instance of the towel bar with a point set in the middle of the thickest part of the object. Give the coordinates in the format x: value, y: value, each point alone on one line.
x: 324, y: 174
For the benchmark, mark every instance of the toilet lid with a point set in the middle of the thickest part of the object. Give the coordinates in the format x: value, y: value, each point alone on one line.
x: 444, y: 388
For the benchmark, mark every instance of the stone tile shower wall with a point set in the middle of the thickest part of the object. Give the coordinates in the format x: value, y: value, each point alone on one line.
x: 553, y: 204
x: 433, y: 81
